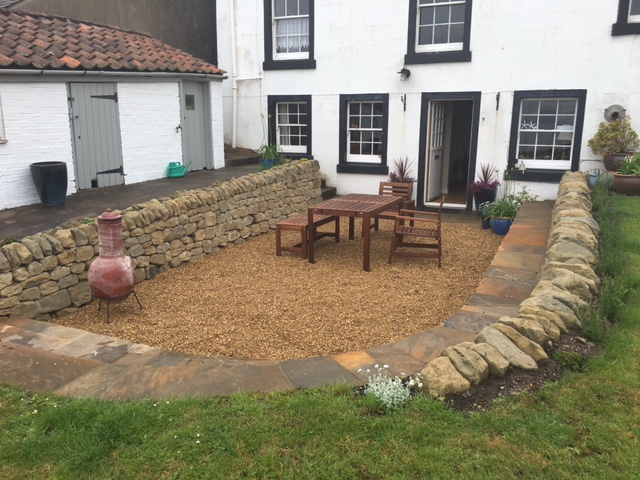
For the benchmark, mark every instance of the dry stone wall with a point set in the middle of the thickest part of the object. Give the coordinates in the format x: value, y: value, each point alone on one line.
x: 45, y: 275
x: 567, y: 281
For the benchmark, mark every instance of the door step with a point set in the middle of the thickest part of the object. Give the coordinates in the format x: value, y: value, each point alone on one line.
x: 327, y: 192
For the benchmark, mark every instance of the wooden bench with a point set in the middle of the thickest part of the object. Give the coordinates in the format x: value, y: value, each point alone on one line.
x: 300, y: 224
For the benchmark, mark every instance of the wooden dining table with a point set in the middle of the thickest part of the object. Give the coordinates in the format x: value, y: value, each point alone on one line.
x: 353, y: 205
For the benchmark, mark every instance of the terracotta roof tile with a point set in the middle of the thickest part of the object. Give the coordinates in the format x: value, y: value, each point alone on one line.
x: 35, y: 41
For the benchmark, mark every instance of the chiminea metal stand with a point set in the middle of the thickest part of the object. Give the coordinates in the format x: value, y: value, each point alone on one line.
x: 117, y: 301
x: 111, y: 275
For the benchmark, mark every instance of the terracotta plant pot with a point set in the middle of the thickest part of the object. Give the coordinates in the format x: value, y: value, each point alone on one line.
x: 627, y: 184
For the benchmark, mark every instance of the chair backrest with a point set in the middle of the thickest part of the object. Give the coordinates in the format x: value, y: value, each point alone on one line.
x: 398, y: 189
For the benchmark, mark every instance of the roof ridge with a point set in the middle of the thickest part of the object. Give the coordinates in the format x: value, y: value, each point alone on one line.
x: 73, y: 20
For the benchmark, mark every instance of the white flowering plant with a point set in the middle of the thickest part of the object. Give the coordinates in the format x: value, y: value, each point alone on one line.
x: 392, y: 392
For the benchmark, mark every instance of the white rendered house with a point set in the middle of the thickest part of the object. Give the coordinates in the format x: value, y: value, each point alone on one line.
x: 450, y: 84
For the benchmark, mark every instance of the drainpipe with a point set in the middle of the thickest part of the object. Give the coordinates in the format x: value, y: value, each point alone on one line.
x: 234, y: 75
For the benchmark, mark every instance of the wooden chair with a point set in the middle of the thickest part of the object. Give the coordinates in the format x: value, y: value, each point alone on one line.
x: 421, y: 231
x: 301, y: 224
x: 399, y: 190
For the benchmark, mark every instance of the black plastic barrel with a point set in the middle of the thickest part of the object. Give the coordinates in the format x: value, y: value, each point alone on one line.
x: 50, y: 179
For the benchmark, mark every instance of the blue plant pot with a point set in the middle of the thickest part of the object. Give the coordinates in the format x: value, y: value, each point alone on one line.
x: 486, y: 223
x: 267, y: 163
x: 501, y: 226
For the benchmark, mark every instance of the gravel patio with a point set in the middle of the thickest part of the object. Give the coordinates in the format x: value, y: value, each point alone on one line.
x: 245, y: 302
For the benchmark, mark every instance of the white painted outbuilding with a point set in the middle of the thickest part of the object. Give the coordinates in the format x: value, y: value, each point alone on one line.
x: 497, y: 82
x: 117, y: 112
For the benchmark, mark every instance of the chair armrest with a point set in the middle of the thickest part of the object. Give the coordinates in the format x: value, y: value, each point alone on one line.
x: 402, y: 219
x: 418, y: 214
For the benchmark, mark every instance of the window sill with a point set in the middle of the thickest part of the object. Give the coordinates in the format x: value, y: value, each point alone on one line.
x: 540, y: 175
x: 367, y: 168
x: 288, y: 64
x: 625, y: 29
x: 437, y: 57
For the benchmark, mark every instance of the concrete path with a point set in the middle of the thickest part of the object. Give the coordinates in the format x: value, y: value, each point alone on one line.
x: 43, y: 357
x: 23, y: 221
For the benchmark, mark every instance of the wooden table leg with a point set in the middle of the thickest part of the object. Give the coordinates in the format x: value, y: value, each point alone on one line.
x: 367, y: 239
x: 352, y: 227
x: 310, y: 241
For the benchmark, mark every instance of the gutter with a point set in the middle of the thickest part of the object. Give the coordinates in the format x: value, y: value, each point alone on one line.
x: 104, y: 73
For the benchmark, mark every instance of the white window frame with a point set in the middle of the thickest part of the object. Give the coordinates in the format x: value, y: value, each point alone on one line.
x: 560, y: 129
x: 634, y: 18
x: 280, y: 127
x: 438, y: 47
x: 274, y: 30
x: 353, y: 128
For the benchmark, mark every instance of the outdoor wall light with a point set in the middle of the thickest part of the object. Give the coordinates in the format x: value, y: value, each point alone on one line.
x: 405, y: 73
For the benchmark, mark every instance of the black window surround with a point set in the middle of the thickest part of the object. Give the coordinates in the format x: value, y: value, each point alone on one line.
x: 622, y: 26
x: 354, y: 167
x: 271, y: 64
x: 272, y: 101
x: 412, y: 57
x: 539, y: 174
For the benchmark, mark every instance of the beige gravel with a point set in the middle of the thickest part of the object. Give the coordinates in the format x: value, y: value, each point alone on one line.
x: 245, y: 302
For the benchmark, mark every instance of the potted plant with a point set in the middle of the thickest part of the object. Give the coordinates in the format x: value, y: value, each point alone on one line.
x: 627, y: 179
x: 270, y: 156
x: 503, y: 212
x: 485, y: 214
x: 402, y: 171
x: 614, y: 141
x: 484, y: 189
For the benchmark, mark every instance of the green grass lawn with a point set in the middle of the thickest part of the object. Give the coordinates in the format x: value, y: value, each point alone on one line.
x: 585, y: 426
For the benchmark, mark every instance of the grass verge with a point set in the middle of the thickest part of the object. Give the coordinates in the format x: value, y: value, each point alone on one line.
x: 584, y: 426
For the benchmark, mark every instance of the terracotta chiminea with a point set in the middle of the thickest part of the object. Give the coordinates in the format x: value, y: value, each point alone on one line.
x: 111, y: 275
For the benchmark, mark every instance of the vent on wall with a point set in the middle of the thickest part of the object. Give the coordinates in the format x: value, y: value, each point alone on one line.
x: 614, y: 112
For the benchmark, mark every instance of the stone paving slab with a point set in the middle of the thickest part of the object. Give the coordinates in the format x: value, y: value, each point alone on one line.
x: 38, y: 370
x: 470, y: 321
x: 317, y: 372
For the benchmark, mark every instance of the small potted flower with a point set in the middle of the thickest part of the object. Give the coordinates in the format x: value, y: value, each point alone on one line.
x: 485, y: 212
x: 270, y: 156
x: 484, y: 189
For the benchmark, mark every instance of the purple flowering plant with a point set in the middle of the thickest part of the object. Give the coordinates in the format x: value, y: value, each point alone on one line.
x: 401, y: 171
x: 487, y: 179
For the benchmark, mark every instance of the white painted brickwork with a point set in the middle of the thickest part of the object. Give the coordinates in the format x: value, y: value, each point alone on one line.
x: 37, y: 128
x: 217, y: 124
x: 36, y: 123
x: 360, y: 47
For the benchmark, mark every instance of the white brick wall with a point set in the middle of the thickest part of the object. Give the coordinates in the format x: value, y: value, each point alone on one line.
x: 36, y: 123
x: 360, y: 47
x: 217, y: 124
x: 149, y: 115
